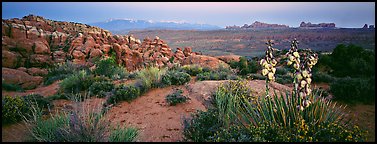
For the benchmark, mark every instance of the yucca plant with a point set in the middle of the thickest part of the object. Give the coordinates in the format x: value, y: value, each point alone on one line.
x: 283, y: 109
x: 227, y: 99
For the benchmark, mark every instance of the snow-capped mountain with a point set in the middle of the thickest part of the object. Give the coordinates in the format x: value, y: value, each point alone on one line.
x: 116, y: 25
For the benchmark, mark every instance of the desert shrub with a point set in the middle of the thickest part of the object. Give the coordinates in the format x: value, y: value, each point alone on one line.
x: 80, y: 124
x: 123, y: 135
x: 124, y: 93
x: 204, y: 76
x: 100, y: 88
x: 61, y: 71
x: 175, y: 78
x: 109, y: 68
x: 150, y: 77
x: 176, y: 98
x: 245, y: 66
x: 353, y: 61
x: 353, y: 90
x: 11, y: 87
x: 232, y: 134
x: 322, y: 77
x: 201, y: 126
x: 12, y: 108
x: 79, y: 81
x: 221, y: 73
x: 192, y: 70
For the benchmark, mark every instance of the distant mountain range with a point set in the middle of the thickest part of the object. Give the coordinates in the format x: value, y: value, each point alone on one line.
x: 125, y: 25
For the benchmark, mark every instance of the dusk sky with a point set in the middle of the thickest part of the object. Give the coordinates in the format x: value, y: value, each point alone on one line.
x: 343, y: 14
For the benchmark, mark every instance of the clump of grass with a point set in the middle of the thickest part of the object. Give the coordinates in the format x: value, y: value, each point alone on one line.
x: 61, y: 71
x: 80, y: 124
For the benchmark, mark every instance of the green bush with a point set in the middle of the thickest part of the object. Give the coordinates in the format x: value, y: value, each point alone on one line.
x: 150, y: 77
x: 322, y: 77
x: 100, y: 88
x: 201, y: 126
x: 109, y: 68
x: 176, y: 98
x: 175, y: 78
x: 62, y: 71
x: 124, y: 93
x: 354, y: 90
x: 353, y: 61
x: 245, y: 66
x: 220, y: 73
x: 192, y: 70
x: 77, y: 82
x: 12, y: 109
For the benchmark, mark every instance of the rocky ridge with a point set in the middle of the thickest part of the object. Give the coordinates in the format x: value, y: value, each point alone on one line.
x: 33, y: 43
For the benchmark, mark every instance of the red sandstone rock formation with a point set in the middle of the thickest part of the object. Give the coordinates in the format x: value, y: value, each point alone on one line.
x: 36, y: 42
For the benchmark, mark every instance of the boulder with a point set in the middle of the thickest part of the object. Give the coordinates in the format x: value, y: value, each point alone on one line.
x: 17, y: 77
x: 37, y: 71
x: 204, y: 61
x: 95, y: 53
x: 9, y: 59
x: 187, y: 51
x: 41, y: 48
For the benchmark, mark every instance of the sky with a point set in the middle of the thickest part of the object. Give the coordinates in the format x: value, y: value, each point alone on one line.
x: 343, y: 14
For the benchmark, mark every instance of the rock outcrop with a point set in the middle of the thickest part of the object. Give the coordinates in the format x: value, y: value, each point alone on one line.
x: 18, y: 77
x: 257, y: 25
x: 320, y: 25
x: 35, y: 42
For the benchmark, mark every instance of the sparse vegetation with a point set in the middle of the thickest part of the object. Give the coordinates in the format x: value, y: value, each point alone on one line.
x: 175, y: 78
x: 101, y: 88
x: 221, y: 73
x: 176, y: 98
x: 62, y: 71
